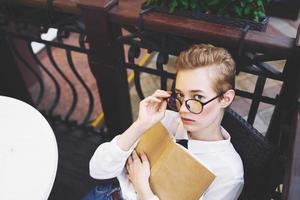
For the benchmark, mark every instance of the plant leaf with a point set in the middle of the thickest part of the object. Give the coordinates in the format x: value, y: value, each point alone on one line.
x: 213, y: 2
x: 173, y: 6
x: 247, y: 10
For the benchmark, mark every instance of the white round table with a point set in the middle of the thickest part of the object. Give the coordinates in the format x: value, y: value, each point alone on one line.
x: 28, y: 152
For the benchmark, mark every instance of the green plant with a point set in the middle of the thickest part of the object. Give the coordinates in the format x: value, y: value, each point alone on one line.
x: 246, y: 9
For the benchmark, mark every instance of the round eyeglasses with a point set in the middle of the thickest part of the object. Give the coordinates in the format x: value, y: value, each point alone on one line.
x: 193, y: 105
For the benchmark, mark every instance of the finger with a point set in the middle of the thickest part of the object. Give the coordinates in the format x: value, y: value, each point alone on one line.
x: 129, y: 160
x: 161, y: 92
x: 145, y: 161
x: 154, y: 99
x: 144, y: 157
x: 135, y: 156
x: 161, y: 95
x: 151, y: 99
x: 128, y: 176
x: 163, y: 106
x: 128, y: 168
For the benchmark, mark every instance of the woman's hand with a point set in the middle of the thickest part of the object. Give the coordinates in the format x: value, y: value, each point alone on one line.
x: 152, y: 108
x: 138, y: 168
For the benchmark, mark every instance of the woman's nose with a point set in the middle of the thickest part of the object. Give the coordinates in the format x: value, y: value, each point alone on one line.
x: 183, y: 107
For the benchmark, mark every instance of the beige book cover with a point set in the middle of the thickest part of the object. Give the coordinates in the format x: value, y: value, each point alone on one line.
x: 175, y: 173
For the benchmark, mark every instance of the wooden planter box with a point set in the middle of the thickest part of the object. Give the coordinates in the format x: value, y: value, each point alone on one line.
x: 229, y: 21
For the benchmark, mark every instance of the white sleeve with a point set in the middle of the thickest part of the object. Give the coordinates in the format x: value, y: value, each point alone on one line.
x: 170, y: 121
x: 227, y: 191
x: 109, y: 160
x: 154, y: 198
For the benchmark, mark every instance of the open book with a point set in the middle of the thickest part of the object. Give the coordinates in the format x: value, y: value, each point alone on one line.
x: 175, y: 173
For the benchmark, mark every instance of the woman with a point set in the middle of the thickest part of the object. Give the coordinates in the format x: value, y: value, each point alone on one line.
x: 204, y: 88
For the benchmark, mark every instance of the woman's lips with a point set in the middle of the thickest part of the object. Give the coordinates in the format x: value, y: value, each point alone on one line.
x: 186, y: 120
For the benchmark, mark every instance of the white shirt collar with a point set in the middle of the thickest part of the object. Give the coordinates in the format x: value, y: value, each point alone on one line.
x: 199, y: 146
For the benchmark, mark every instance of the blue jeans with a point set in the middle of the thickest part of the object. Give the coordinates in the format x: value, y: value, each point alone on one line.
x: 103, y: 192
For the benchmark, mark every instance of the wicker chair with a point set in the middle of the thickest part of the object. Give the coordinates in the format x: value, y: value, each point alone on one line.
x: 258, y: 156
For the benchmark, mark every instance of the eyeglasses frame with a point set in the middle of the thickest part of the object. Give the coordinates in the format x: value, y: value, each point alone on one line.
x: 202, y: 103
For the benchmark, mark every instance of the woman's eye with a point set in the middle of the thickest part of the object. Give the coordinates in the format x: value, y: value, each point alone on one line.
x: 179, y: 95
x: 198, y: 97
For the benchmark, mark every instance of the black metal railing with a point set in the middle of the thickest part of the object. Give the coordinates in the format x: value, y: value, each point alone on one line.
x: 248, y: 62
x: 61, y: 90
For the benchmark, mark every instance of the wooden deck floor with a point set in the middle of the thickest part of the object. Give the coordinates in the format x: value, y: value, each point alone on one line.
x: 75, y: 148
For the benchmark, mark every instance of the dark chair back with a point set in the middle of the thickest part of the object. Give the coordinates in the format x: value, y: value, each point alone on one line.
x: 256, y: 152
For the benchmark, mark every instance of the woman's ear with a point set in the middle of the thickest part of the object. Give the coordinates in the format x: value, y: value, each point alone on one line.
x: 227, y: 98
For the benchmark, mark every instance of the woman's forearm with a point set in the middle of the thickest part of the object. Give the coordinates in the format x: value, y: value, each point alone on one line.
x: 131, y: 135
x: 145, y: 193
x: 151, y: 110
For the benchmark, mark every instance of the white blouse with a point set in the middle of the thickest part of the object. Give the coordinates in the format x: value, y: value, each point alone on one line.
x: 220, y: 157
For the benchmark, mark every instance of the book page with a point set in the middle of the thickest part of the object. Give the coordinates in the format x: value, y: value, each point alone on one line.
x: 175, y: 173
x: 154, y: 142
x: 179, y: 176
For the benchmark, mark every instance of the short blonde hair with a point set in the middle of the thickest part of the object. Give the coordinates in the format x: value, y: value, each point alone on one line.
x: 206, y: 55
